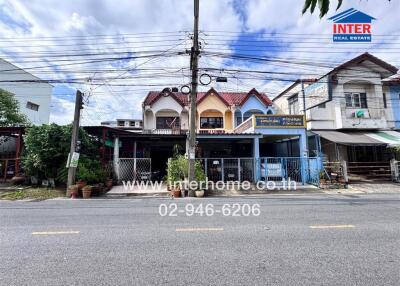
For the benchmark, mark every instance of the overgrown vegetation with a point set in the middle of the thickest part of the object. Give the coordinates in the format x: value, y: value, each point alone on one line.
x: 46, y: 152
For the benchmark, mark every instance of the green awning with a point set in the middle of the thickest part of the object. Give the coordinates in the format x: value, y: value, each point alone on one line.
x: 391, y: 138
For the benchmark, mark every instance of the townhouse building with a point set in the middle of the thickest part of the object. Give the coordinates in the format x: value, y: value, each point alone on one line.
x: 217, y: 112
x: 239, y: 137
x: 353, y: 109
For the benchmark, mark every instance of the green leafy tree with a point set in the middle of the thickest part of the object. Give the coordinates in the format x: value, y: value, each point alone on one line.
x: 9, y: 111
x: 46, y: 152
x: 323, y: 6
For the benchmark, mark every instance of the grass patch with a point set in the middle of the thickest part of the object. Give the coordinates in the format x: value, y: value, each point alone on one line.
x: 32, y: 193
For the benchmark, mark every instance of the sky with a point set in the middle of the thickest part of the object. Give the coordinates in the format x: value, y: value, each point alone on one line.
x: 117, y: 51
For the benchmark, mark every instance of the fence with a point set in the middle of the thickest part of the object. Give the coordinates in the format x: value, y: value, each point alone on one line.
x: 133, y: 169
x: 395, y: 167
x: 304, y: 170
x: 228, y: 169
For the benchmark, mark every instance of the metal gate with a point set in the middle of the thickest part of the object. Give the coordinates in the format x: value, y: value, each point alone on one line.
x: 134, y: 169
x: 304, y: 170
x: 228, y: 169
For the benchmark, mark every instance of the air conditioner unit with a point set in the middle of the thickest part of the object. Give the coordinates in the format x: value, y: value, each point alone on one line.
x: 359, y: 114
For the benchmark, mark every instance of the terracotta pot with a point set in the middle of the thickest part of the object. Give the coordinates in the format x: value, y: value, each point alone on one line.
x: 73, y: 189
x: 176, y: 193
x: 81, y: 184
x: 86, y: 192
x: 200, y: 193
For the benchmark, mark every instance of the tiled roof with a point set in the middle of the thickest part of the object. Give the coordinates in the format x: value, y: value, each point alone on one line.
x: 230, y: 98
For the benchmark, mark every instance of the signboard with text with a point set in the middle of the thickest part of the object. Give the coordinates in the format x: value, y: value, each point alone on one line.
x: 279, y: 121
x: 318, y: 92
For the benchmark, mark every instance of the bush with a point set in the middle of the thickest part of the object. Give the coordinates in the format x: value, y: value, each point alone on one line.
x: 46, y: 152
x: 177, y: 170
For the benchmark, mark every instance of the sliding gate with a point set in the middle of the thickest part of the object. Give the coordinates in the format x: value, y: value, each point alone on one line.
x: 298, y: 169
x: 302, y: 170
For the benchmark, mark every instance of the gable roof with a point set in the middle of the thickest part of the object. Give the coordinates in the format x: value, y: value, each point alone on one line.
x: 364, y: 57
x: 357, y: 60
x: 202, y: 96
x: 153, y: 96
x: 264, y: 99
x: 352, y: 16
x: 228, y: 98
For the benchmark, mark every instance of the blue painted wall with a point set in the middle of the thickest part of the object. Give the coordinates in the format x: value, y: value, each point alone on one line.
x: 395, y: 100
x: 252, y: 103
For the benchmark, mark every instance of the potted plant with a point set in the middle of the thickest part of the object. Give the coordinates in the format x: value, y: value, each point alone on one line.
x: 72, y: 191
x: 176, y: 174
x: 199, y: 193
x: 87, y: 191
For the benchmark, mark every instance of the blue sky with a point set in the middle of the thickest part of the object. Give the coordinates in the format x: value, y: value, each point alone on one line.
x: 40, y: 31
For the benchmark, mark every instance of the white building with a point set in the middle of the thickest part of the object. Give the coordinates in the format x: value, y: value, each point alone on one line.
x: 33, y: 94
x: 349, y: 108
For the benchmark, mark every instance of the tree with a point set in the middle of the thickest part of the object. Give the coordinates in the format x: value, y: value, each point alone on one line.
x: 323, y: 6
x: 9, y: 111
x: 46, y: 152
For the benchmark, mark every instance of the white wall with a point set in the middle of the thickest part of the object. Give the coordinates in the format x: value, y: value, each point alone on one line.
x: 38, y: 93
x: 164, y: 105
x: 365, y: 77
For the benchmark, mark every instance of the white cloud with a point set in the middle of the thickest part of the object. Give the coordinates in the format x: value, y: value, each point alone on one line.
x: 78, y: 20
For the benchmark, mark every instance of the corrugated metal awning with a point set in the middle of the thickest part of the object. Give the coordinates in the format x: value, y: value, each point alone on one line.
x: 391, y: 138
x: 349, y: 138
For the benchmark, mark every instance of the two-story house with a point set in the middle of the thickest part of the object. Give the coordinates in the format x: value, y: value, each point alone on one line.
x: 350, y: 108
x: 217, y: 112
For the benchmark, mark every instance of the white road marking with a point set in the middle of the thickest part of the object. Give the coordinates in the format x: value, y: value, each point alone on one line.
x: 197, y: 229
x: 332, y: 226
x: 55, y: 232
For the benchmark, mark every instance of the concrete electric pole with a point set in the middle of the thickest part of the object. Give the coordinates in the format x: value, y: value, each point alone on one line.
x: 193, y: 95
x: 74, y: 137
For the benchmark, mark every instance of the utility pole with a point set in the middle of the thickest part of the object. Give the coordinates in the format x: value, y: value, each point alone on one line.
x: 305, y: 111
x: 74, y: 137
x: 193, y: 96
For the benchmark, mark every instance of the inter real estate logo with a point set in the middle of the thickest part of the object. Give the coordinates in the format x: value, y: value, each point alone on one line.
x: 352, y: 26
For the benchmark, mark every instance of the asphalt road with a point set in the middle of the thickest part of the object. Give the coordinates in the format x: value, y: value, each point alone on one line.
x: 296, y: 240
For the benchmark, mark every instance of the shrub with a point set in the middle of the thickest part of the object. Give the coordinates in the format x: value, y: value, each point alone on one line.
x: 177, y: 170
x: 46, y: 152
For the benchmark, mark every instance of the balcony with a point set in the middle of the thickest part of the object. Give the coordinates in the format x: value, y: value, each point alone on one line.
x: 173, y: 131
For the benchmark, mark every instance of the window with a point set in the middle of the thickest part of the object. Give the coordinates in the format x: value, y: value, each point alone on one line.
x: 167, y: 122
x: 293, y: 104
x: 356, y: 100
x: 211, y: 122
x: 238, y: 120
x: 32, y: 106
x: 384, y: 100
x: 322, y: 105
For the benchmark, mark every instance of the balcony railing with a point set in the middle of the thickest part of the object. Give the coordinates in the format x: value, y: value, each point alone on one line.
x: 174, y: 131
